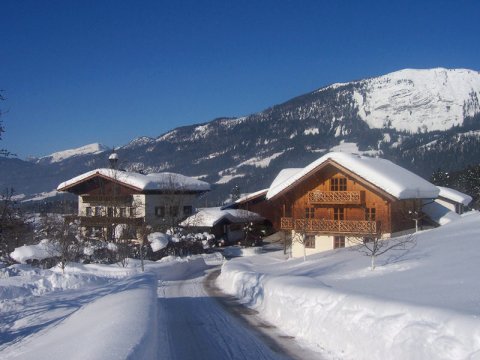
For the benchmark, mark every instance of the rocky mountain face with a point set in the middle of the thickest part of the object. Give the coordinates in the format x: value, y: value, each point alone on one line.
x: 421, y: 119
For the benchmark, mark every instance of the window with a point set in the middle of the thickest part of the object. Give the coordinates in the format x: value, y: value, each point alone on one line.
x: 160, y: 211
x: 98, y: 211
x: 110, y: 211
x: 123, y: 212
x: 310, y: 241
x: 187, y: 210
x: 338, y: 214
x: 88, y: 211
x: 370, y: 214
x: 173, y: 211
x: 368, y: 239
x: 309, y: 213
x: 338, y: 184
x: 338, y: 242
x: 132, y: 212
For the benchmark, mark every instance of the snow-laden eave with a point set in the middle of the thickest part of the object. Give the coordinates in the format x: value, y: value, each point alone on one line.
x: 72, y: 183
x: 151, y: 183
x: 393, y: 181
x: 454, y: 195
x: 251, y: 196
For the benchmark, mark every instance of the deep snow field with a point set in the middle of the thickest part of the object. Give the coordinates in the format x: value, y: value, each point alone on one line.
x: 90, y: 312
x: 423, y: 305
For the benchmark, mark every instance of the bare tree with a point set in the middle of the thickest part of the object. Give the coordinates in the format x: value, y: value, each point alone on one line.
x: 301, y: 236
x: 65, y: 239
x: 374, y: 245
x: 15, y: 226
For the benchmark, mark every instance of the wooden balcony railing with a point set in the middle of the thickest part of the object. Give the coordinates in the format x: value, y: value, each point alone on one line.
x: 336, y: 197
x: 104, y: 220
x: 354, y: 227
x: 108, y: 200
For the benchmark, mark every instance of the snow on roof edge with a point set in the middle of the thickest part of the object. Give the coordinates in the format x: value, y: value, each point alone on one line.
x: 155, y: 181
x: 454, y: 195
x: 384, y: 174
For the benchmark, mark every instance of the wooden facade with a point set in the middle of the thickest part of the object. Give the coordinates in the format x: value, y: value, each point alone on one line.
x: 332, y: 202
x: 104, y: 202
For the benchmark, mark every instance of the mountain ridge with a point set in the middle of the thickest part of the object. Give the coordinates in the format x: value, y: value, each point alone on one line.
x: 248, y: 151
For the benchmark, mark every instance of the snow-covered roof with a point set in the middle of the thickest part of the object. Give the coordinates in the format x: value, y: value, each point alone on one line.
x: 391, y: 178
x: 454, y: 195
x: 439, y: 213
x: 251, y: 196
x: 150, y: 182
x: 209, y: 217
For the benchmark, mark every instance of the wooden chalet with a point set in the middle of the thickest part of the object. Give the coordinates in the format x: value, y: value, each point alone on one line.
x: 342, y: 195
x: 108, y: 197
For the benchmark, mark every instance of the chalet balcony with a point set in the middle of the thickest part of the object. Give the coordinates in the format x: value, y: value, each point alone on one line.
x: 336, y: 197
x: 105, y: 220
x: 108, y: 199
x: 352, y: 227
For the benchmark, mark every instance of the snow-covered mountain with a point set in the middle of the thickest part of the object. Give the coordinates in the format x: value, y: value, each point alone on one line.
x: 94, y: 148
x: 435, y: 99
x: 420, y: 119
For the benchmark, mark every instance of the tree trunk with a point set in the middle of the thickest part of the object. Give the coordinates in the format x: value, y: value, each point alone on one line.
x: 372, y: 267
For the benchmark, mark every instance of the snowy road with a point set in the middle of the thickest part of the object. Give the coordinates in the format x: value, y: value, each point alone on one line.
x: 198, y: 326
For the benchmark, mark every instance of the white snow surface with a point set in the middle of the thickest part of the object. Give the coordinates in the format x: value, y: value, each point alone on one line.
x: 430, y: 99
x: 95, y: 148
x: 393, y: 179
x: 108, y: 312
x: 208, y: 217
x: 247, y: 197
x: 158, y: 241
x: 39, y: 251
x: 454, y: 195
x: 439, y: 213
x: 423, y: 305
x: 154, y: 181
x: 41, y: 196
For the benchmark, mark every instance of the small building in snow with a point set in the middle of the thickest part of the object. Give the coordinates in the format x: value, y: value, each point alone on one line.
x: 227, y: 224
x: 341, y: 195
x: 453, y: 200
x: 109, y: 197
x: 448, y: 207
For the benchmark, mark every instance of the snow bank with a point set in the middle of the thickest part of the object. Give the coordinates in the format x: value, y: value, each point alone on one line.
x: 158, y: 241
x: 39, y: 251
x: 239, y: 251
x: 425, y: 305
x: 119, y: 325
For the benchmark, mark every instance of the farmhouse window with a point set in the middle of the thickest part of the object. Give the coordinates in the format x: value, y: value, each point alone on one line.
x: 370, y: 214
x: 338, y: 242
x: 338, y: 184
x: 160, y: 211
x: 338, y: 214
x: 309, y: 213
x: 310, y: 241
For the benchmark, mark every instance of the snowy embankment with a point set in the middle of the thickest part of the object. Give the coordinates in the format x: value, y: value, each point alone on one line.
x: 424, y: 305
x: 121, y: 313
x: 90, y: 312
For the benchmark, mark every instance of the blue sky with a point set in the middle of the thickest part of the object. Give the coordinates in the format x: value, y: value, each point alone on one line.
x: 77, y: 72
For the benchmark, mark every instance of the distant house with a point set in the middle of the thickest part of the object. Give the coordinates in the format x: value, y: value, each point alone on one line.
x: 448, y: 207
x: 226, y: 224
x: 453, y: 200
x: 343, y: 195
x: 108, y: 197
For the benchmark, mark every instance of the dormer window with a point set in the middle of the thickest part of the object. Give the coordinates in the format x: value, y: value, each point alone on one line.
x: 338, y: 184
